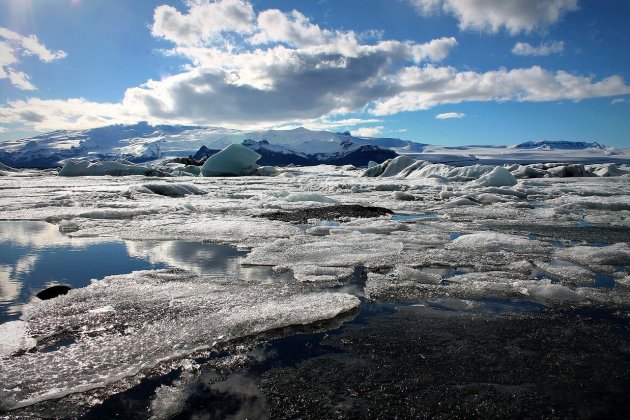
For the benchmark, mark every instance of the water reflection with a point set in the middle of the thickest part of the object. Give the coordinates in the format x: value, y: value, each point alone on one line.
x: 35, y: 255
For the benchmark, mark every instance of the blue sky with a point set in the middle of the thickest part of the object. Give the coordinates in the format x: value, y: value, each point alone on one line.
x: 449, y: 72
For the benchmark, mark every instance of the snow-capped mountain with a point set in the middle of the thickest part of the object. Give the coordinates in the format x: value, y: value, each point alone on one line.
x: 143, y: 142
x: 562, y: 145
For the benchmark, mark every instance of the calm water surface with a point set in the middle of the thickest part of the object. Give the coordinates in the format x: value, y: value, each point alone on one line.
x: 35, y: 255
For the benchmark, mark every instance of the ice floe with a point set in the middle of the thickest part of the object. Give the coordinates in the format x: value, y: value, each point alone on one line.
x: 123, y: 325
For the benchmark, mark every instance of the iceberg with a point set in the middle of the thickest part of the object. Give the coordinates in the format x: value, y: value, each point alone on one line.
x: 234, y: 160
x: 74, y: 167
x: 499, y: 177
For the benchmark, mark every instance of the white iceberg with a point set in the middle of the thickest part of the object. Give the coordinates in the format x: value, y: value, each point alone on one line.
x: 74, y: 167
x: 234, y: 160
x: 499, y: 177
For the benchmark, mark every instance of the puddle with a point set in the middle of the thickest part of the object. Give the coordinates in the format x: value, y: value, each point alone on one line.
x: 420, y: 216
x: 35, y: 256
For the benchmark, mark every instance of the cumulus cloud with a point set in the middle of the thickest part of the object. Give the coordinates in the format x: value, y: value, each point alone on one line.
x: 425, y: 87
x: 13, y: 46
x: 270, y: 68
x: 548, y: 48
x: 368, y: 131
x: 76, y: 113
x: 449, y: 115
x: 492, y: 15
x: 204, y: 21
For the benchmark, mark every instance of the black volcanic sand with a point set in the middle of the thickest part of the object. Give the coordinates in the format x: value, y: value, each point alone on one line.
x: 336, y: 212
x: 427, y: 363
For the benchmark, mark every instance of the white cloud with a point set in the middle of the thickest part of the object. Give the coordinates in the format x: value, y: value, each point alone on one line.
x: 368, y: 131
x: 449, y: 115
x: 76, y: 113
x: 204, y: 21
x: 14, y: 45
x: 492, y: 15
x: 20, y: 80
x: 423, y: 88
x: 548, y: 48
x: 3, y: 129
x: 245, y: 72
x: 618, y: 101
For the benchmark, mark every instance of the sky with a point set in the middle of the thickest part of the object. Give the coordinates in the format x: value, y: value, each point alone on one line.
x: 447, y: 72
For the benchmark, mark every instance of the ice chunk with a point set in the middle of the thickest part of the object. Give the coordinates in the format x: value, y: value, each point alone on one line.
x: 487, y: 198
x: 158, y: 316
x: 405, y: 273
x: 67, y: 226
x: 74, y: 167
x: 403, y: 196
x: 617, y: 254
x: 370, y: 164
x: 461, y: 201
x: 314, y: 273
x: 608, y: 170
x: 168, y: 190
x: 499, y: 177
x: 311, y: 197
x: 567, y: 271
x: 390, y: 167
x: 234, y: 160
x: 546, y: 291
x: 188, y: 170
x: 566, y: 171
x: 265, y: 171
x: 14, y: 336
x: 345, y: 250
x: 524, y: 171
x: 493, y: 241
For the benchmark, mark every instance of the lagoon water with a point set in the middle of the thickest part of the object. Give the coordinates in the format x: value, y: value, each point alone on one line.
x: 35, y: 256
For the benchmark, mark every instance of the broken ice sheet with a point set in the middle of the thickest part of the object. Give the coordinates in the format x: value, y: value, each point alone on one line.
x: 346, y: 249
x: 156, y: 316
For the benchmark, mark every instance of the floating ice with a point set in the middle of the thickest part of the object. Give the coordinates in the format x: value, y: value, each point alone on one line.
x: 310, y: 197
x: 169, y: 190
x: 14, y: 336
x: 74, y: 167
x: 499, y: 177
x: 567, y: 271
x: 616, y: 254
x: 314, y: 273
x: 390, y: 167
x: 403, y: 196
x: 342, y: 250
x: 157, y: 316
x: 188, y: 170
x: 493, y: 241
x: 234, y: 160
x: 461, y: 201
x: 405, y: 273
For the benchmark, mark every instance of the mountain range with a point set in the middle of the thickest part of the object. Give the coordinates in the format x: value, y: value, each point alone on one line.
x: 143, y: 142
